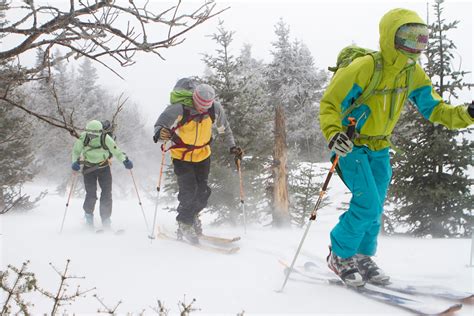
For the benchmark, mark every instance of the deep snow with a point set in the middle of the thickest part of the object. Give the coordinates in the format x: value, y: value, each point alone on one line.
x: 132, y: 269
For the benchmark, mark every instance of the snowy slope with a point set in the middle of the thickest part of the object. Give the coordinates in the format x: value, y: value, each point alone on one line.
x: 132, y: 269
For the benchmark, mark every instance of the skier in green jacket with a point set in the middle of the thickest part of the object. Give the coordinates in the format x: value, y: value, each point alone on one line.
x: 96, y: 147
x: 365, y: 162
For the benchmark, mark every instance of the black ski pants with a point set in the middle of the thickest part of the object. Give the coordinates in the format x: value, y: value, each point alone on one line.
x: 92, y: 175
x: 193, y: 189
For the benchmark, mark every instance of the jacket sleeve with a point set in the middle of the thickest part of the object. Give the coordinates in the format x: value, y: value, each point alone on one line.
x: 77, y: 148
x: 222, y: 125
x: 432, y: 107
x: 169, y: 118
x: 114, y: 149
x: 345, y: 87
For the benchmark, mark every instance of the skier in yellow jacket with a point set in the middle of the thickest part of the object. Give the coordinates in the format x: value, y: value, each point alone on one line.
x: 364, y: 162
x: 187, y: 122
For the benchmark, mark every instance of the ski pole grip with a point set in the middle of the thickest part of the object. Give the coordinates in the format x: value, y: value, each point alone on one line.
x: 351, y: 127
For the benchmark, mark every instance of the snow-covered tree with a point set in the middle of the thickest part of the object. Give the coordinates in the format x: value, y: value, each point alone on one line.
x: 294, y: 86
x: 17, y: 156
x: 304, y: 191
x: 431, y: 186
x: 240, y: 88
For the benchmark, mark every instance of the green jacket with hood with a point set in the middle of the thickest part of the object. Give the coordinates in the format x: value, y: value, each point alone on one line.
x: 377, y: 117
x: 93, y: 153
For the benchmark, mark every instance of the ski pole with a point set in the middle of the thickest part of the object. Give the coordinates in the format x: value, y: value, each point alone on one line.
x: 350, y: 133
x: 237, y: 162
x: 139, y: 200
x: 472, y: 247
x: 73, y: 183
x: 158, y: 189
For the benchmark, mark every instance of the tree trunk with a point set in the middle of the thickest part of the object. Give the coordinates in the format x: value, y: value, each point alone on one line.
x: 281, y: 215
x: 2, y: 201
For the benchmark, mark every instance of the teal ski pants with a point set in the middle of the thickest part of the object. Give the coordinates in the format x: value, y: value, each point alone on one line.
x: 367, y: 174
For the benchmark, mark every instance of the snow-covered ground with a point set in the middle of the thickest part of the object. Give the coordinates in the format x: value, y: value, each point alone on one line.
x: 131, y: 269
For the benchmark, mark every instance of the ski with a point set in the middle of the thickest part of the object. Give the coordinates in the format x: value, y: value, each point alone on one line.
x: 218, y: 240
x: 115, y: 232
x: 209, y: 248
x: 404, y: 287
x: 404, y: 301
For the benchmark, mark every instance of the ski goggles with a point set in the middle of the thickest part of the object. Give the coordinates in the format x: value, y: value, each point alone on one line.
x: 412, y: 38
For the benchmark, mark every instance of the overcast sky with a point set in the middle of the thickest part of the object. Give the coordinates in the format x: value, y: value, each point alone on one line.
x: 325, y: 26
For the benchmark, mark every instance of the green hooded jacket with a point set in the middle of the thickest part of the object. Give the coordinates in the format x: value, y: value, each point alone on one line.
x: 377, y: 117
x: 93, y: 153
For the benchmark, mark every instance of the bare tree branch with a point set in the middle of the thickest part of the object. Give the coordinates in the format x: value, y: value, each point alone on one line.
x: 108, y: 32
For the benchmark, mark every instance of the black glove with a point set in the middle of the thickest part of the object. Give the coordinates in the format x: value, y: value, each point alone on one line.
x: 237, y: 152
x: 128, y: 163
x: 163, y: 134
x: 76, y: 166
x: 341, y: 144
x: 156, y: 137
x: 470, y: 109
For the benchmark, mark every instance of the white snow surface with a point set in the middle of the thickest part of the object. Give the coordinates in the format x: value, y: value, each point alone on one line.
x: 131, y: 269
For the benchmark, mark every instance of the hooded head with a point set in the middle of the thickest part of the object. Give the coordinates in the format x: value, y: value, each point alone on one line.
x: 388, y: 27
x: 94, y: 127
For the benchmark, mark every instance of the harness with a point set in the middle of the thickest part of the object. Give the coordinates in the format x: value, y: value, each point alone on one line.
x: 187, y: 117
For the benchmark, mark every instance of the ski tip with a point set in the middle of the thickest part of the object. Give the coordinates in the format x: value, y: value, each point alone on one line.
x: 310, y: 265
x: 283, y: 263
x: 468, y: 300
x: 233, y: 250
x: 451, y: 310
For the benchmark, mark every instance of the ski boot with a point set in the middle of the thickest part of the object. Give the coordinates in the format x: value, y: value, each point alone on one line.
x: 89, y: 220
x: 106, y: 224
x: 346, y: 269
x: 370, y: 271
x: 187, y: 232
x: 197, y: 225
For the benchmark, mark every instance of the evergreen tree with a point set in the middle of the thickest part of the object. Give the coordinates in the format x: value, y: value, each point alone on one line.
x: 16, y: 158
x: 431, y: 187
x: 240, y: 88
x: 304, y: 191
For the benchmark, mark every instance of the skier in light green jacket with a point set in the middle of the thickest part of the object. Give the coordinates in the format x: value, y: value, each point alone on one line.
x: 365, y: 162
x: 94, y: 148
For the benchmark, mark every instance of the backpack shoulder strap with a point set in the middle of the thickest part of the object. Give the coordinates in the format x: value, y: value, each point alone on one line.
x: 186, y: 114
x: 86, y: 140
x: 373, y: 84
x: 212, y: 113
x: 102, y: 141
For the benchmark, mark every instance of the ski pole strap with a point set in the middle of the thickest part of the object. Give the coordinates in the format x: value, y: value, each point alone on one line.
x: 351, y: 127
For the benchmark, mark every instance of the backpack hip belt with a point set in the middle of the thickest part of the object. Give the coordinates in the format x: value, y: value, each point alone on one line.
x: 178, y: 143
